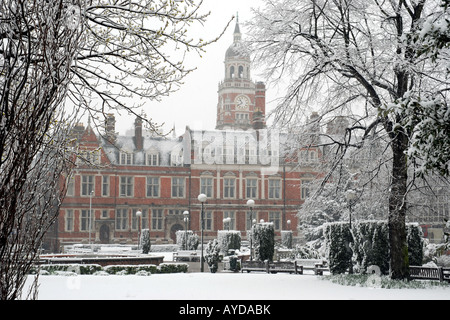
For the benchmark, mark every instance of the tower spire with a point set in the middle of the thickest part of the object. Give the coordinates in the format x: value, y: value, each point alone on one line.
x: 237, y: 30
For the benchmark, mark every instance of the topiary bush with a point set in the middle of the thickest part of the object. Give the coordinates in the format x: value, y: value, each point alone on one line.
x: 212, y: 255
x: 193, y: 240
x: 228, y: 240
x: 264, y: 241
x: 145, y: 241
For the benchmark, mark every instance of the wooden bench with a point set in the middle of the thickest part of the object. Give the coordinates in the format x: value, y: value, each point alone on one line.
x: 271, y: 267
x: 429, y: 273
x: 186, y: 256
x: 317, y: 265
x: 285, y: 266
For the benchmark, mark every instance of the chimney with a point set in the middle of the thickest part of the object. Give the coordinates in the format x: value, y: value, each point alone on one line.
x: 260, y: 106
x: 110, y: 128
x: 138, y: 139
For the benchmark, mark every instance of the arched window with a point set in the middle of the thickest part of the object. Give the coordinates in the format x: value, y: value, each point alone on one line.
x: 232, y: 72
x: 241, y: 72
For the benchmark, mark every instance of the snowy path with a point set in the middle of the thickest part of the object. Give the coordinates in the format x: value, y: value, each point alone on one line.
x: 219, y: 286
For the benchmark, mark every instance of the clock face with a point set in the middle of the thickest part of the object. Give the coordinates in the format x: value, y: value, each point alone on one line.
x: 242, y: 102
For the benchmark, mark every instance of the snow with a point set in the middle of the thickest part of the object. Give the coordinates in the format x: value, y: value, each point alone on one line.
x: 218, y: 286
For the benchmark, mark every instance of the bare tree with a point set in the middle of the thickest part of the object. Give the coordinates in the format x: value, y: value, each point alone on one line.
x: 56, y: 58
x: 362, y: 59
x: 37, y: 50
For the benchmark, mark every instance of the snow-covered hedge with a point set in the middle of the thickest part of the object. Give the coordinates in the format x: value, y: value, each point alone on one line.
x: 338, y: 238
x: 264, y: 241
x: 192, y: 240
x: 70, y: 267
x: 83, y: 269
x: 367, y: 244
x: 228, y: 240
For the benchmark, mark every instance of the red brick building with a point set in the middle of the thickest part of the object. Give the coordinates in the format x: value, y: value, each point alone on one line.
x: 116, y: 176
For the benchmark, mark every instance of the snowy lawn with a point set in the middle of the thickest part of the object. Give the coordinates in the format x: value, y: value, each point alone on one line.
x: 219, y: 286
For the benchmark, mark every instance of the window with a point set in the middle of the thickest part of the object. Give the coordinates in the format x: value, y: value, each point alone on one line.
x: 68, y: 220
x: 153, y: 159
x: 157, y: 219
x: 206, y: 186
x: 152, y: 187
x: 126, y: 186
x: 177, y: 187
x: 174, y: 212
x: 305, y: 189
x: 70, y: 187
x: 274, y: 189
x: 252, y: 188
x: 126, y: 158
x: 121, y: 219
x: 84, y: 220
x: 105, y: 186
x: 105, y: 214
x: 87, y: 185
x: 232, y: 224
x: 274, y: 217
x: 208, y: 221
x: 229, y: 187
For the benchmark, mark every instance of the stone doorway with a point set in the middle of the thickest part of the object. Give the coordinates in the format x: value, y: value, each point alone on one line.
x: 104, y: 234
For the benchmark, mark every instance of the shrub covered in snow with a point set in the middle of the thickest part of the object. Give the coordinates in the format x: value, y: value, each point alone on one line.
x: 228, y: 240
x: 371, y: 245
x: 189, y: 236
x: 69, y: 267
x: 366, y: 244
x: 286, y: 238
x: 338, y: 238
x: 264, y: 241
x: 145, y: 241
x: 212, y: 255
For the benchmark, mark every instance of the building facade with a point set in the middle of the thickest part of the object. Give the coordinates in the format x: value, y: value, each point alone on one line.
x: 117, y: 176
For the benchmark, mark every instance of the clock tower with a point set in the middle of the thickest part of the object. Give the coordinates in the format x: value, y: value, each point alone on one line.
x: 242, y: 102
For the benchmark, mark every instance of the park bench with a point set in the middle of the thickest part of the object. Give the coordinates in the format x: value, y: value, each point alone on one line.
x: 429, y: 273
x: 271, y: 267
x: 317, y: 265
x: 186, y: 256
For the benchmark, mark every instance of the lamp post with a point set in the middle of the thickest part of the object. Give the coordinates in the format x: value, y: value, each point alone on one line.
x: 186, y: 219
x: 350, y: 195
x: 202, y: 198
x: 251, y: 204
x: 139, y: 218
x: 90, y: 218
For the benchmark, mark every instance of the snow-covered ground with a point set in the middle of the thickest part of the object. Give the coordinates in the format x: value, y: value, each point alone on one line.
x: 219, y: 286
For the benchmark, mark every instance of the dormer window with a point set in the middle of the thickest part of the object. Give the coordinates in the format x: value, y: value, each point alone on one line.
x: 126, y: 158
x: 152, y: 159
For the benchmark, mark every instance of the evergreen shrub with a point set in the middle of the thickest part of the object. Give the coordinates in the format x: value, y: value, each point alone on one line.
x: 228, y: 240
x: 192, y: 240
x: 264, y: 241
x: 145, y: 241
x: 338, y: 238
x: 212, y: 255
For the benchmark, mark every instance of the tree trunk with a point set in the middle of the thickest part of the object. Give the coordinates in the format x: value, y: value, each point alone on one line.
x: 399, y: 265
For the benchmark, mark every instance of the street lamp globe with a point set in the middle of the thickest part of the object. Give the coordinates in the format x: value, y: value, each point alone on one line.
x: 250, y: 203
x: 202, y: 197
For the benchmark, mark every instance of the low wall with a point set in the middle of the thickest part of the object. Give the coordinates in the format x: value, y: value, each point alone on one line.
x: 102, y: 261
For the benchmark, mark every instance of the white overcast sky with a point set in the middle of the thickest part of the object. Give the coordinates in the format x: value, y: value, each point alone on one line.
x: 195, y: 103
